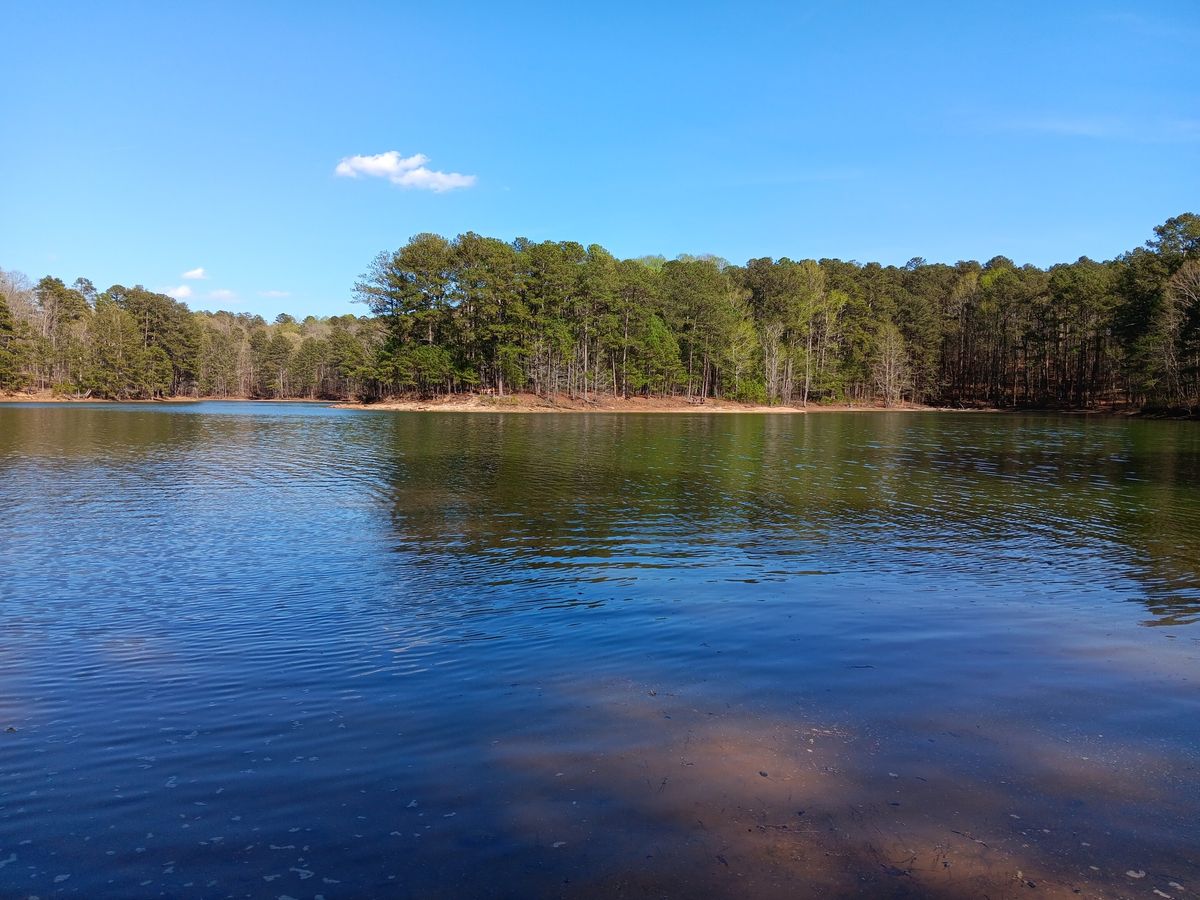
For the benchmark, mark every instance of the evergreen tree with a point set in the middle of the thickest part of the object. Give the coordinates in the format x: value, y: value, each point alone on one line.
x: 558, y: 317
x: 12, y: 359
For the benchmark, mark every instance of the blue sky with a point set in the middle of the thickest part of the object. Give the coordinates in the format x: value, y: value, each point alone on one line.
x: 143, y: 141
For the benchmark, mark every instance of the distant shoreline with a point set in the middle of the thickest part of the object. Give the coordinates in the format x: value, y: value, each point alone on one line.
x: 533, y: 403
x: 518, y: 403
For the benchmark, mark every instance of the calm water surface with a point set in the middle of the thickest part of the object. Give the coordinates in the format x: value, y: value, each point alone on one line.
x: 295, y: 651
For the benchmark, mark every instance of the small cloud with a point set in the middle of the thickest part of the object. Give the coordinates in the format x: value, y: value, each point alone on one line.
x: 196, y: 274
x: 222, y: 294
x: 404, y: 171
x: 275, y: 295
x: 180, y: 293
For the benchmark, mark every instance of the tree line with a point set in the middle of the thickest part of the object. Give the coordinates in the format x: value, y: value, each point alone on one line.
x: 131, y: 343
x: 478, y: 313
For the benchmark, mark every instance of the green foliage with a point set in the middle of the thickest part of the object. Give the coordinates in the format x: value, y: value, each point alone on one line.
x: 559, y: 317
x: 1177, y: 240
x: 121, y: 366
x: 273, y: 357
x: 424, y: 368
x: 751, y: 392
x: 12, y: 350
x: 306, y: 367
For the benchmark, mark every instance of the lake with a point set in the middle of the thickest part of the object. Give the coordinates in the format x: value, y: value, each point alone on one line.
x: 288, y: 650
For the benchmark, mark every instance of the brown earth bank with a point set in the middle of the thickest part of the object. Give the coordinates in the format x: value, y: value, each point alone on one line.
x: 523, y: 402
x: 606, y: 403
x: 51, y: 397
x: 535, y: 403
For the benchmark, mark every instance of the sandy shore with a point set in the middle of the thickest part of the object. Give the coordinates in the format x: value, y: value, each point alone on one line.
x: 47, y: 397
x: 513, y: 403
x: 531, y: 403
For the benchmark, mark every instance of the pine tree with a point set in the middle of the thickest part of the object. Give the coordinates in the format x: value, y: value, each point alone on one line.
x: 11, y: 346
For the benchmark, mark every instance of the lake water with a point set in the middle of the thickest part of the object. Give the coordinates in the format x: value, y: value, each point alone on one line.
x: 285, y: 650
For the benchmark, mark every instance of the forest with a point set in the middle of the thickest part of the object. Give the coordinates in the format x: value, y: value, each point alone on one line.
x: 480, y: 314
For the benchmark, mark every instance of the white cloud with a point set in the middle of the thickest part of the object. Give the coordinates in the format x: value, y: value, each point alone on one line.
x: 196, y: 274
x: 222, y: 294
x: 274, y: 294
x: 404, y: 171
x: 180, y: 293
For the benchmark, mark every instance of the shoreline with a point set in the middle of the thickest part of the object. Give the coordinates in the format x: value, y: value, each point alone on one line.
x: 530, y: 403
x: 517, y: 403
x: 535, y: 404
